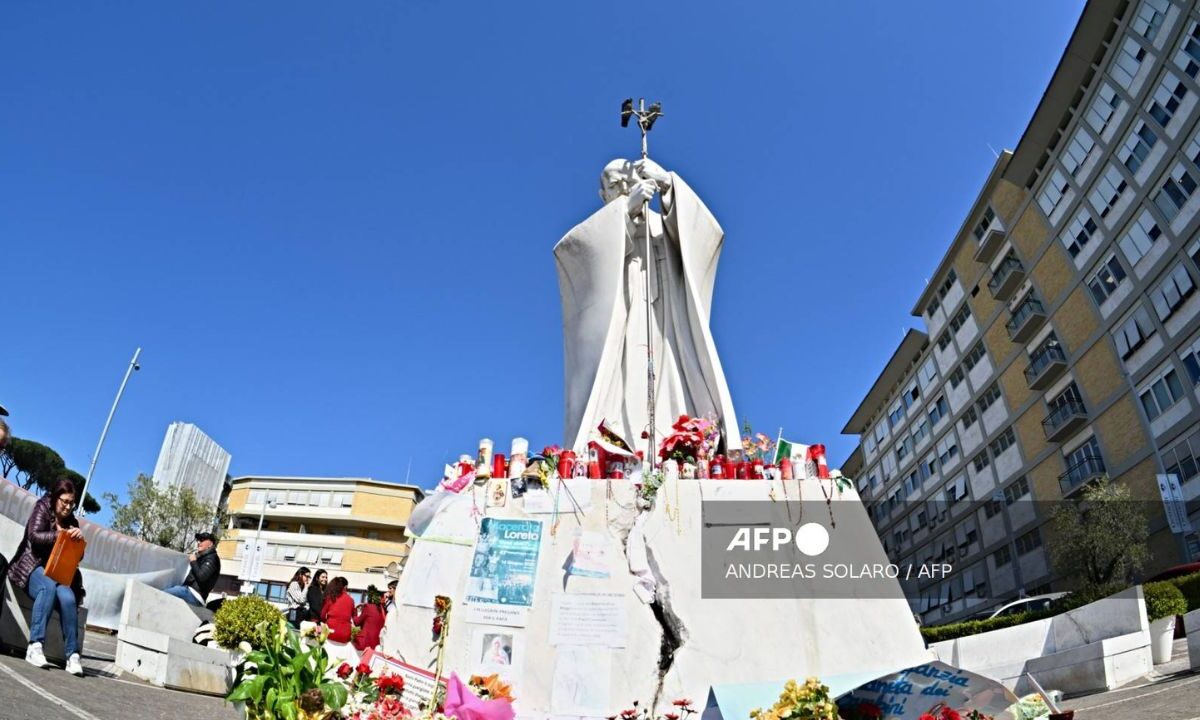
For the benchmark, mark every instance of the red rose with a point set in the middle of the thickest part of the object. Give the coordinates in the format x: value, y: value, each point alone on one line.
x: 363, y: 669
x: 870, y: 710
x: 950, y: 714
x: 671, y: 716
x: 344, y: 670
x: 437, y: 627
x: 628, y: 714
x: 682, y: 702
x: 926, y: 716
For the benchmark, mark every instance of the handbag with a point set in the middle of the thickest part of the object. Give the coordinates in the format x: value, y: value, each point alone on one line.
x: 64, y: 559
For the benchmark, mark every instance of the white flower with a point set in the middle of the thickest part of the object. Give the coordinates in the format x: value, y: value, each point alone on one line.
x: 245, y: 647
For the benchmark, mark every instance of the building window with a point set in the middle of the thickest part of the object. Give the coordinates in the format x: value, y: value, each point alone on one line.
x: 1175, y: 191
x: 940, y: 410
x: 972, y: 359
x: 1128, y: 61
x: 1017, y: 490
x: 881, y: 432
x: 1104, y: 281
x: 1163, y: 392
x: 984, y: 223
x: 1167, y: 97
x: 1188, y: 57
x: 896, y: 414
x: 928, y: 373
x: 1077, y: 150
x: 1181, y: 460
x: 1068, y: 398
x: 1003, y: 441
x: 942, y: 291
x: 1140, y: 237
x: 921, y: 431
x: 1191, y: 361
x: 981, y: 461
x: 1029, y: 542
x: 1149, y: 18
x: 1079, y: 233
x: 1172, y: 292
x: 904, y: 448
x: 970, y: 417
x: 1053, y: 192
x: 928, y: 467
x: 889, y: 467
x: 1137, y: 146
x: 960, y: 318
x: 989, y: 396
x: 956, y: 378
x: 943, y: 341
x: 256, y: 497
x: 912, y: 394
x: 1108, y: 190
x: 1002, y: 557
x: 1085, y: 456
x: 1104, y: 105
x: 1133, y: 333
x: 947, y: 449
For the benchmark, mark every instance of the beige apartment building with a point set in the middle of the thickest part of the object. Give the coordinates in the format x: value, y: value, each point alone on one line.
x: 353, y: 527
x: 1062, y: 327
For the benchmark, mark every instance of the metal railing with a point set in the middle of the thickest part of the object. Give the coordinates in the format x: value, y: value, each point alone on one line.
x: 1023, y: 312
x: 1060, y: 415
x: 1006, y: 267
x: 1042, y: 359
x: 1088, y: 467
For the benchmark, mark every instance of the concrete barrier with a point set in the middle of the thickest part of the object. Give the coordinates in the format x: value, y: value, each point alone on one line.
x: 154, y: 642
x: 1096, y: 647
x: 1191, y: 626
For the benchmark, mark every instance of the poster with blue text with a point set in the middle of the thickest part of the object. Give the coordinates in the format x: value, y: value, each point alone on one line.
x: 503, y: 572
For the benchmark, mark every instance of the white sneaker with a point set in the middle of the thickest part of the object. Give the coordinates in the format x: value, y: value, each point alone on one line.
x: 34, y: 656
x: 73, y: 665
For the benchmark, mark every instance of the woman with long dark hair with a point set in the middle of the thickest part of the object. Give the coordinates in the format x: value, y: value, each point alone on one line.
x: 338, y: 611
x: 53, y: 515
x: 297, y: 599
x: 369, y: 618
x: 316, y: 595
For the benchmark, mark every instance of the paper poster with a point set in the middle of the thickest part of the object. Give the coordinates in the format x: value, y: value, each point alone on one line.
x: 910, y: 693
x: 418, y: 683
x: 589, y: 554
x: 573, y: 495
x: 582, y: 676
x: 497, y: 650
x: 588, y: 619
x: 497, y: 493
x: 503, y: 572
x: 432, y: 569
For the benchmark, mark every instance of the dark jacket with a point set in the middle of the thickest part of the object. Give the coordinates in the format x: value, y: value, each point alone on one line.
x: 316, y: 600
x: 40, y: 534
x: 206, y: 568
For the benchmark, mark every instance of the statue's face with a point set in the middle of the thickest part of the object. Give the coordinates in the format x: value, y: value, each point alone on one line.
x: 615, y: 180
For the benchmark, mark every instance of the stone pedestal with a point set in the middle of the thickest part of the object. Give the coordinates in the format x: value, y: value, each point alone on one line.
x: 709, y: 641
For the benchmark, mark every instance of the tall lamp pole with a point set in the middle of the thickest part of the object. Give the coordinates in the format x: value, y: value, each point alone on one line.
x: 133, y: 366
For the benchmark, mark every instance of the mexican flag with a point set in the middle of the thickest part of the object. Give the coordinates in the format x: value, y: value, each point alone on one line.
x: 808, y: 461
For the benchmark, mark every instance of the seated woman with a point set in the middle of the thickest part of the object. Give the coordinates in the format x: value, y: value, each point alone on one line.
x: 369, y: 618
x: 338, y: 615
x: 53, y: 514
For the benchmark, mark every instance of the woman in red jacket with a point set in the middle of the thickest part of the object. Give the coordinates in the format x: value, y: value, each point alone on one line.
x: 338, y: 611
x: 369, y: 619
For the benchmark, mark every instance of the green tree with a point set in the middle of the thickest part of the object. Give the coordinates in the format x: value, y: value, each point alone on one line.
x: 34, y: 465
x: 1102, y: 537
x: 163, y: 516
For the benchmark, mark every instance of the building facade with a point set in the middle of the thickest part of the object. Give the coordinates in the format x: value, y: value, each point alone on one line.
x: 191, y: 459
x: 353, y: 527
x: 1062, y: 327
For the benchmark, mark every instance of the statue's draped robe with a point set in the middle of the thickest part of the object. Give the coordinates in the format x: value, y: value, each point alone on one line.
x: 604, y: 319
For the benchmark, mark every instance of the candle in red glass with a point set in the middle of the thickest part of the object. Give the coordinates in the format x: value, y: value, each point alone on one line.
x: 566, y: 464
x: 743, y: 470
x: 594, y: 471
x: 702, y: 469
x: 717, y: 470
x: 757, y: 470
x: 498, y: 468
x: 785, y: 469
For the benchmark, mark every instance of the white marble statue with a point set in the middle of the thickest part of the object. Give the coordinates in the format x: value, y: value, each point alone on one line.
x: 604, y: 318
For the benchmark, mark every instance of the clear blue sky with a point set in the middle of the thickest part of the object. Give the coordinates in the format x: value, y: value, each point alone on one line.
x: 329, y: 225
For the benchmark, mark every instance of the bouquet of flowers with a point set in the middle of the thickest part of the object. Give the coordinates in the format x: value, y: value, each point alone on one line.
x: 809, y: 701
x: 693, y: 439
x: 757, y: 446
x: 682, y: 709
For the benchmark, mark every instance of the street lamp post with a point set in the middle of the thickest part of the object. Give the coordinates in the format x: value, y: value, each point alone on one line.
x: 248, y: 586
x: 133, y: 366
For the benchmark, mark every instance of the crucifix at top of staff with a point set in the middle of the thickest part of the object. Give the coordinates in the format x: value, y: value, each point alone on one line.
x: 645, y: 120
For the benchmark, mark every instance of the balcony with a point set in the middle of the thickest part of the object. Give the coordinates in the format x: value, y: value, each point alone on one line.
x: 1025, y: 320
x: 1045, y: 366
x: 990, y: 243
x: 1081, y: 473
x: 1064, y: 420
x: 1008, y: 276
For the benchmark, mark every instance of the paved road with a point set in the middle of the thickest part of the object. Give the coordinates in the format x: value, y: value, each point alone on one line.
x: 29, y: 693
x: 1172, y: 693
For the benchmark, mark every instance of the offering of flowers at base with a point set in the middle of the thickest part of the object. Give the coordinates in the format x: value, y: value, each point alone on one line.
x: 810, y: 701
x: 463, y: 703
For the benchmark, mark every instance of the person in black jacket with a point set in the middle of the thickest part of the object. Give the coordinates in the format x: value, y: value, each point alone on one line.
x: 206, y: 568
x: 316, y: 595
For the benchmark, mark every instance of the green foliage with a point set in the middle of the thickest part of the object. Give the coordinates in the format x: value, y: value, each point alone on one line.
x: 938, y: 633
x: 164, y: 516
x: 1189, y: 585
x: 284, y: 673
x: 34, y: 465
x: 242, y: 619
x: 1163, y: 599
x: 1101, y: 538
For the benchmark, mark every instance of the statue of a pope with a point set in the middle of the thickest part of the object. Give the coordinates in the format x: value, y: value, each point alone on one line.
x: 600, y: 265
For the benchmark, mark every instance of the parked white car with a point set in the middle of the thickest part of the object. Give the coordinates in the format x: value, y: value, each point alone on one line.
x: 1037, y: 603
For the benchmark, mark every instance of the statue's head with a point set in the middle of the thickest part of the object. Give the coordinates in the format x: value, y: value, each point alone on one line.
x: 616, y: 179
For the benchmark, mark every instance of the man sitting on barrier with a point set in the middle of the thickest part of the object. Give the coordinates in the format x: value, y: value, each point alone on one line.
x: 206, y: 568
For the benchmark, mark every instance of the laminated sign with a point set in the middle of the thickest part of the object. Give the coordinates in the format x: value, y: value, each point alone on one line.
x: 503, y: 572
